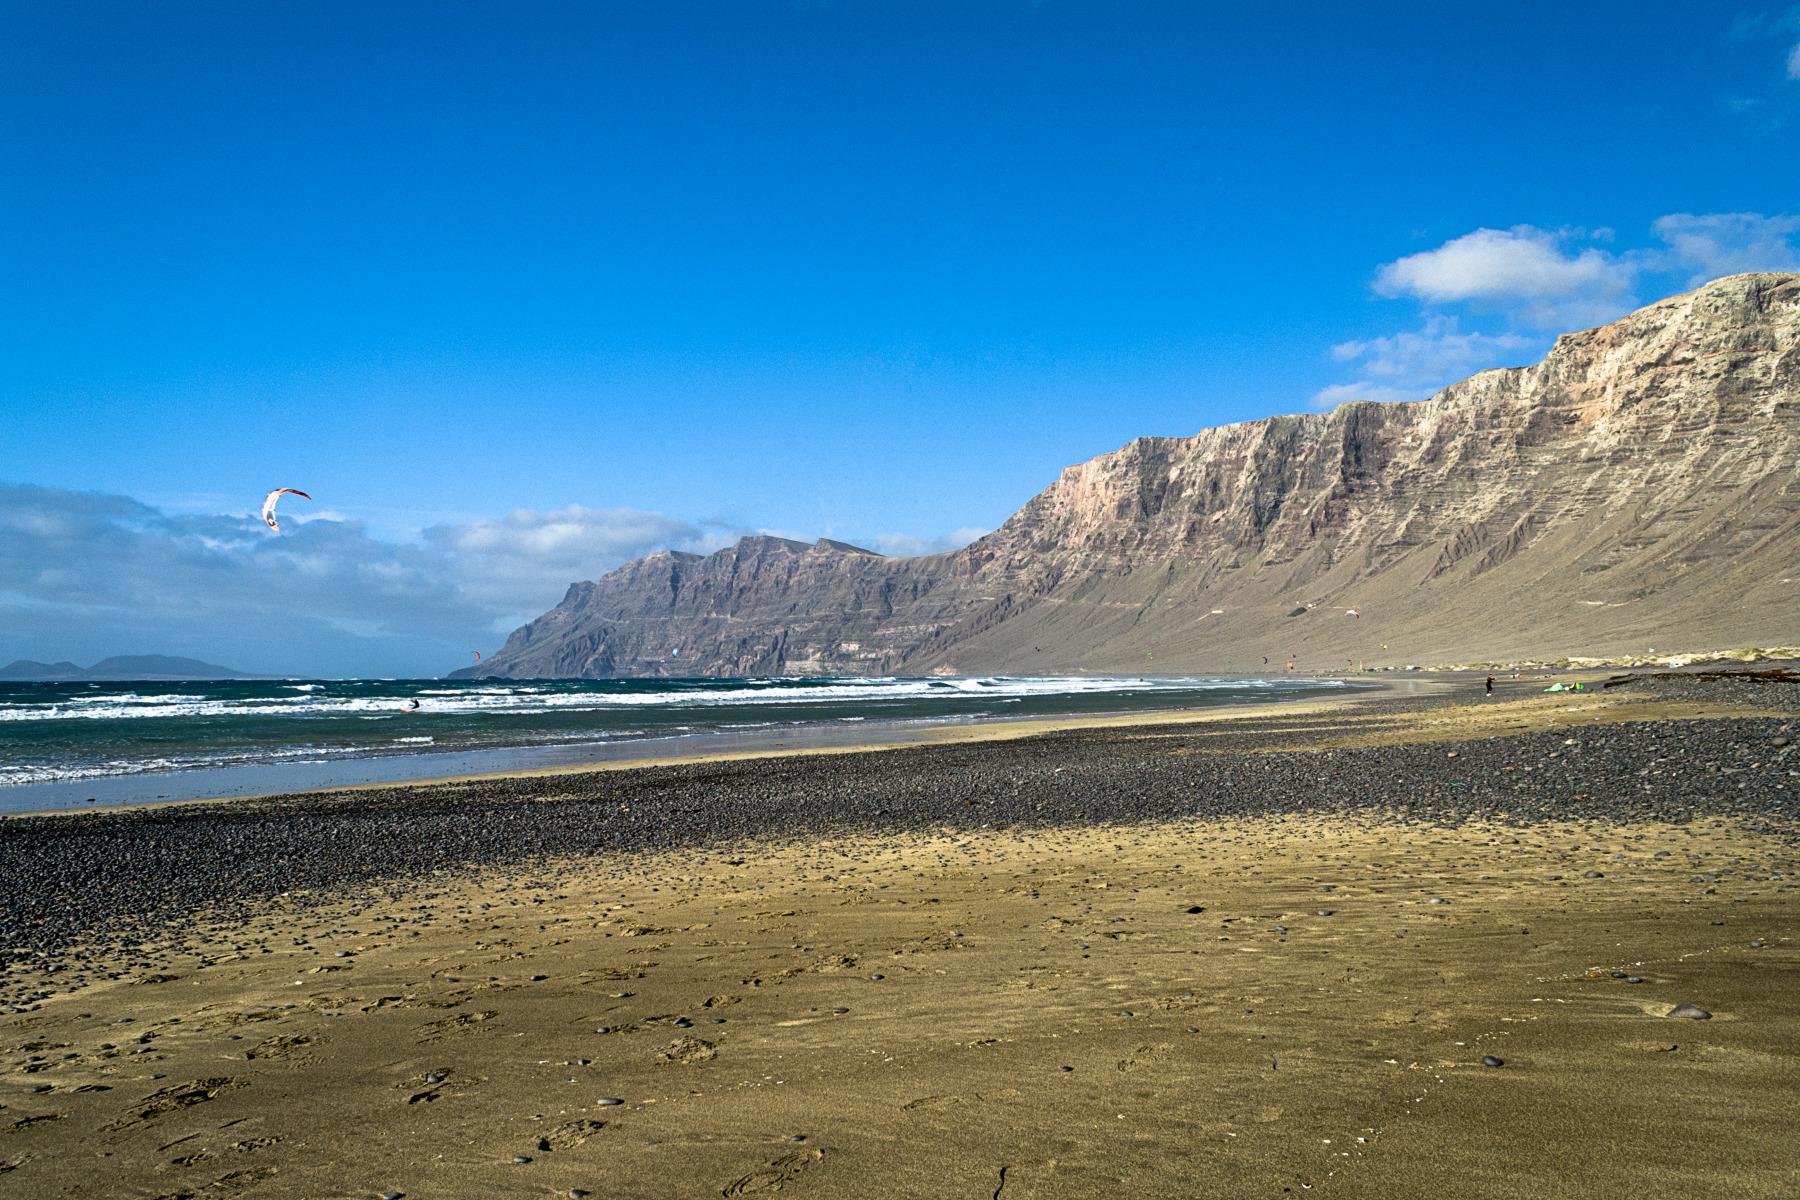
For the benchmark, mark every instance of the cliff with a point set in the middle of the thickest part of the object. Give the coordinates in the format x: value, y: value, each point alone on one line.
x: 1638, y: 487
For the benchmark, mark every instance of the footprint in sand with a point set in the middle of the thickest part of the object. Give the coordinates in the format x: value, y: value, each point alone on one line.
x: 175, y: 1097
x: 231, y: 1181
x: 772, y: 1177
x: 570, y: 1135
x: 279, y: 1047
x: 688, y: 1051
x: 1145, y: 1055
x: 460, y: 1023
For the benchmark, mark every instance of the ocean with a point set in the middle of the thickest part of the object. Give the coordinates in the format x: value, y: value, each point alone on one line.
x: 69, y: 744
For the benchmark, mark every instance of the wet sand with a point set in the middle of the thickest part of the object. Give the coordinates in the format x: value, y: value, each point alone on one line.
x: 1265, y: 994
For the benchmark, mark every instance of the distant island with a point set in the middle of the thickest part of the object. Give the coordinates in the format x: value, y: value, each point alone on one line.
x: 120, y: 666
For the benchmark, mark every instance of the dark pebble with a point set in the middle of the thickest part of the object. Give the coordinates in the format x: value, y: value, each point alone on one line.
x: 1488, y: 1060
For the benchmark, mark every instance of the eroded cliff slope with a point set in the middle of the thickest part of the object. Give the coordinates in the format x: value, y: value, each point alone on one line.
x: 1639, y: 487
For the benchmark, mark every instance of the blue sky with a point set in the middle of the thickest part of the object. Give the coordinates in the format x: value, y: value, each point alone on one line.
x: 519, y: 291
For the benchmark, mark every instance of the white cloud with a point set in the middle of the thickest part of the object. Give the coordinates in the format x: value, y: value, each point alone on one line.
x: 907, y: 545
x: 1437, y: 350
x: 1414, y: 363
x: 1709, y: 245
x: 1532, y: 273
x: 521, y: 563
x: 1535, y: 282
x: 83, y: 575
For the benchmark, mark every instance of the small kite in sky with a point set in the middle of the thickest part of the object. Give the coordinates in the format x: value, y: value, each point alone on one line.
x: 268, y: 513
x: 477, y: 656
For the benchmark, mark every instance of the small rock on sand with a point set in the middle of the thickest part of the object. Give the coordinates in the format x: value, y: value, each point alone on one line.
x: 1691, y: 1011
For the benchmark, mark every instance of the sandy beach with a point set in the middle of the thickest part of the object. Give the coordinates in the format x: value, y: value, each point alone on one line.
x: 1420, y: 946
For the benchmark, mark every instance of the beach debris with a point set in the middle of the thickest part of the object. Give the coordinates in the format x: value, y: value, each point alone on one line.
x: 1692, y: 1012
x: 1351, y: 612
x: 1488, y: 1060
x: 268, y: 508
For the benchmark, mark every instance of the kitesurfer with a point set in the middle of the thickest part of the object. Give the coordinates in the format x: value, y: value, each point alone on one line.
x: 268, y: 508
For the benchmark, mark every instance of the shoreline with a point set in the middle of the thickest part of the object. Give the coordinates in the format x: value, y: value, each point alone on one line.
x: 813, y: 740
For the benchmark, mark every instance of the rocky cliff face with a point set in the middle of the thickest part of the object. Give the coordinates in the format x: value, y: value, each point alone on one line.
x: 1639, y: 487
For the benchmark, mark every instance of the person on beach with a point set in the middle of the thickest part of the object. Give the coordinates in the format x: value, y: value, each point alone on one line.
x: 1490, y: 685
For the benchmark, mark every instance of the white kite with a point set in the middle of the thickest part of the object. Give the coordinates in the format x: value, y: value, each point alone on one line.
x: 269, y: 505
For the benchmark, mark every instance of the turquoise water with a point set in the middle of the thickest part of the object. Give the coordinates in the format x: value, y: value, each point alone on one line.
x: 66, y: 742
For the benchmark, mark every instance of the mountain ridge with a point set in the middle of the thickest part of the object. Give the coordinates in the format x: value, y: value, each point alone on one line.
x: 1638, y: 484
x: 120, y: 667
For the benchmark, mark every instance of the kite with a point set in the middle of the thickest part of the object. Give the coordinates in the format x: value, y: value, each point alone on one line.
x: 1351, y: 612
x: 477, y: 656
x: 268, y: 513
